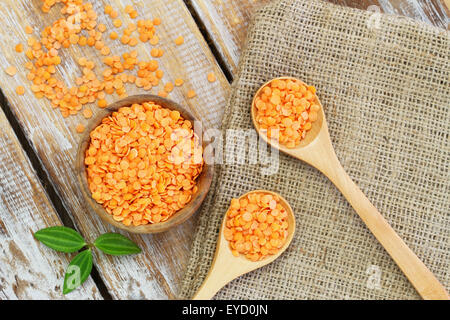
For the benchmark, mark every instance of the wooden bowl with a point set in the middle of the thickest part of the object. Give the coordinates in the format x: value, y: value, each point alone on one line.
x: 203, y: 181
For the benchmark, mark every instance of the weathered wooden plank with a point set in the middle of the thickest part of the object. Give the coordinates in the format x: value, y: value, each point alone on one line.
x: 226, y: 21
x: 433, y: 12
x: 28, y: 269
x: 154, y: 274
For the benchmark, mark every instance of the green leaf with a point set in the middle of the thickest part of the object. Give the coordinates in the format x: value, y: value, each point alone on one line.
x: 61, y: 239
x: 78, y: 271
x: 116, y: 244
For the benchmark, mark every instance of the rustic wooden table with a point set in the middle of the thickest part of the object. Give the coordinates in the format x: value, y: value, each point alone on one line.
x: 37, y: 145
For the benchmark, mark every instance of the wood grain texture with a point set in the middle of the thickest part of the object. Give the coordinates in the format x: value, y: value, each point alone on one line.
x: 226, y: 21
x: 155, y: 273
x: 29, y: 270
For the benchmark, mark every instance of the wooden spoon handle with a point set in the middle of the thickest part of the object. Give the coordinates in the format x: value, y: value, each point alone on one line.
x: 418, y: 274
x: 207, y: 290
x: 222, y: 271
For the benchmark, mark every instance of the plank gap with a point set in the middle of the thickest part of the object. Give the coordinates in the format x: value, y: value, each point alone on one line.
x: 209, y: 41
x: 52, y: 193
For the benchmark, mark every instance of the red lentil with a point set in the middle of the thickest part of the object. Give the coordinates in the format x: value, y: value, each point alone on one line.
x: 142, y: 163
x: 288, y: 107
x: 256, y: 226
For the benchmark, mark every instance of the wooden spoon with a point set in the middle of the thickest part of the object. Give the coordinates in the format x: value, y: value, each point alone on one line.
x: 317, y: 150
x: 226, y: 267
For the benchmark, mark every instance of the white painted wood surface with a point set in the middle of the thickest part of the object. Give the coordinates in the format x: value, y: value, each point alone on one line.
x: 28, y: 269
x: 155, y: 273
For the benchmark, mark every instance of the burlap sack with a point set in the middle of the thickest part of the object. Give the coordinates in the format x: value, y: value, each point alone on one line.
x: 384, y: 84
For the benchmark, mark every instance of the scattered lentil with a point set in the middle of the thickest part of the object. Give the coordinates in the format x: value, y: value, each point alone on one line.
x: 179, y: 40
x: 113, y: 14
x: 20, y: 90
x: 162, y: 93
x: 11, y: 70
x: 154, y: 40
x: 101, y: 27
x: 133, y: 42
x: 211, y: 77
x: 105, y: 51
x: 80, y: 128
x: 128, y: 9
x: 117, y: 23
x: 43, y: 55
x: 87, y: 113
x: 191, y: 94
x: 133, y: 14
x: 159, y: 73
x: 168, y: 87
x: 19, y: 47
x: 179, y: 82
x: 146, y: 30
x: 108, y: 9
x: 131, y: 11
x: 102, y: 103
x: 154, y: 52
